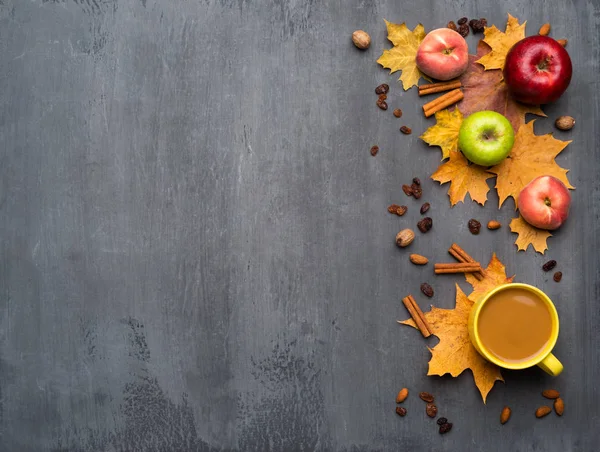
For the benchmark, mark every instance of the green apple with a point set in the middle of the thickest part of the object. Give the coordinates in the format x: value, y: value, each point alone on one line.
x: 486, y: 138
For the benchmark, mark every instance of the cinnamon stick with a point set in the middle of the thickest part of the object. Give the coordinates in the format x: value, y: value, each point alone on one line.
x: 456, y: 268
x: 444, y: 101
x: 432, y: 88
x: 462, y: 256
x: 417, y: 315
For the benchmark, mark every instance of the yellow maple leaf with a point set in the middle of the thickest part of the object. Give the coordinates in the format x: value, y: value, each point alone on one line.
x: 464, y: 178
x: 531, y: 156
x: 445, y: 132
x: 402, y: 57
x: 501, y: 43
x: 528, y: 235
x: 494, y: 275
x: 455, y: 352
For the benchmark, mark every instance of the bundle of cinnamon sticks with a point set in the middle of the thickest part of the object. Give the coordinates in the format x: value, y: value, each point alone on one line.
x: 445, y: 100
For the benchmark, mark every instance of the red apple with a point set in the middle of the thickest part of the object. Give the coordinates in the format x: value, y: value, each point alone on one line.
x: 443, y: 54
x: 537, y: 70
x: 545, y: 202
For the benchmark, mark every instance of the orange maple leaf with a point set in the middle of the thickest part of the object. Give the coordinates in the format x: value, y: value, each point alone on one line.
x: 501, y: 43
x: 531, y: 156
x: 494, y: 275
x: 445, y: 132
x: 528, y: 235
x: 486, y: 90
x: 464, y: 178
x: 455, y: 352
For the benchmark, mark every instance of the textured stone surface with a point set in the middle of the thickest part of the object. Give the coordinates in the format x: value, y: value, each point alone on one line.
x: 195, y: 248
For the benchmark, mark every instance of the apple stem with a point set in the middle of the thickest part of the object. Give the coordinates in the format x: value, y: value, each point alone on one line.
x: 543, y: 65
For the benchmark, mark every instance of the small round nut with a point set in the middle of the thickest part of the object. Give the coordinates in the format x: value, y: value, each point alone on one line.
x: 404, y: 238
x: 565, y: 123
x: 361, y: 39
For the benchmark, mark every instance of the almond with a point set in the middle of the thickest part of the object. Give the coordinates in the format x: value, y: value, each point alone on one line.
x: 544, y: 30
x: 551, y: 394
x: 404, y: 238
x: 543, y: 411
x: 417, y: 259
x: 402, y: 395
x: 505, y: 415
x: 564, y: 123
x: 562, y: 42
x: 493, y: 225
x: 559, y: 406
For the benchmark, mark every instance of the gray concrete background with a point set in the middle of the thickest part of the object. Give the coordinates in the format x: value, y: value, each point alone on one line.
x: 196, y: 253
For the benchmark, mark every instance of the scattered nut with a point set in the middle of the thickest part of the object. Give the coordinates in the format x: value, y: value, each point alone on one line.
x: 544, y: 30
x: 493, y: 225
x: 401, y: 411
x: 426, y: 397
x: 382, y: 89
x: 452, y: 26
x: 474, y: 226
x: 425, y: 224
x: 505, y: 415
x: 424, y: 208
x: 374, y: 150
x: 565, y: 123
x: 402, y: 395
x: 417, y: 259
x: 431, y: 410
x: 406, y: 130
x: 427, y: 290
x: 445, y: 428
x: 549, y: 265
x: 562, y: 42
x: 361, y: 39
x: 551, y: 394
x: 397, y: 112
x: 557, y: 276
x: 404, y: 238
x: 543, y: 411
x: 559, y: 406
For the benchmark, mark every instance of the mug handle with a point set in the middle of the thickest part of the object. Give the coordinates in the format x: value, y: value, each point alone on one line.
x: 551, y: 365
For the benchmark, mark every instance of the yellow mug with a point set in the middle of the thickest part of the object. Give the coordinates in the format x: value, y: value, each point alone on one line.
x: 544, y: 359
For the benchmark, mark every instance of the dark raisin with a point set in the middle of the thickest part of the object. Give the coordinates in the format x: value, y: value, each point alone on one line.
x: 452, y: 26
x: 401, y: 210
x: 557, y: 276
x: 416, y: 181
x: 431, y: 410
x: 426, y: 397
x: 442, y: 421
x: 382, y: 97
x: 425, y: 224
x: 445, y: 428
x: 382, y: 89
x: 408, y: 191
x: 549, y: 265
x: 425, y: 207
x: 474, y: 226
x: 462, y: 20
x: 382, y: 104
x: 401, y: 411
x: 417, y: 192
x: 427, y: 290
x: 397, y: 112
x: 406, y: 130
x: 463, y: 30
x: 483, y: 21
x: 476, y: 26
x: 374, y: 150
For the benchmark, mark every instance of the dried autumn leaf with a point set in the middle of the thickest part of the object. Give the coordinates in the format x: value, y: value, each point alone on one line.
x: 501, y: 42
x: 528, y: 235
x: 455, y: 352
x: 402, y: 57
x: 494, y: 276
x: 445, y: 132
x: 464, y: 178
x: 486, y: 90
x: 530, y: 157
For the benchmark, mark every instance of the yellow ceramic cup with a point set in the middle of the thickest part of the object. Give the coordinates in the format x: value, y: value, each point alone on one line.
x: 544, y: 359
